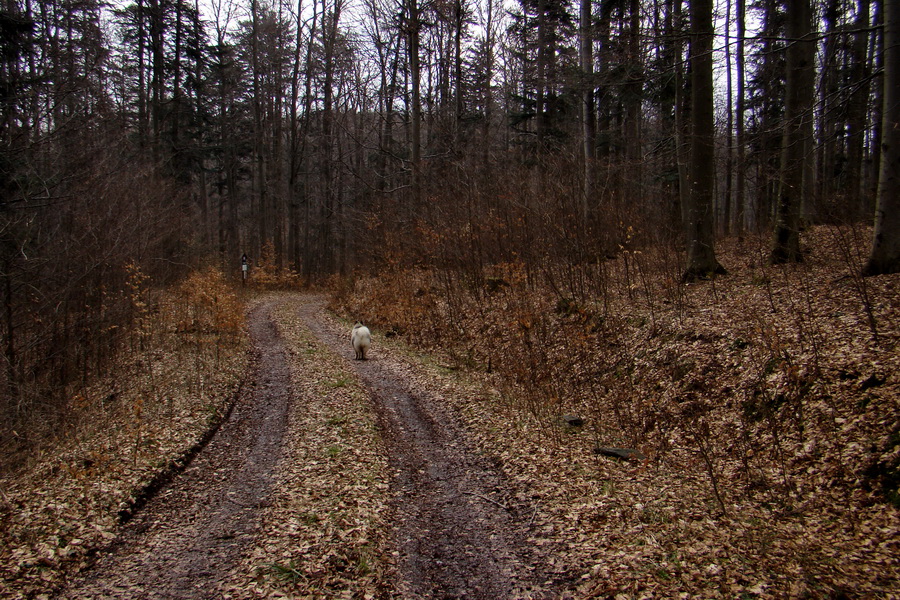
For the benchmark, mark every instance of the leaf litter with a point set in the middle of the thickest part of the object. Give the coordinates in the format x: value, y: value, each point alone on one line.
x: 765, y: 401
x: 767, y: 384
x: 380, y: 495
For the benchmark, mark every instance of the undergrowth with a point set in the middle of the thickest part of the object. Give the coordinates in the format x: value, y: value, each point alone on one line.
x: 773, y: 386
x: 62, y: 492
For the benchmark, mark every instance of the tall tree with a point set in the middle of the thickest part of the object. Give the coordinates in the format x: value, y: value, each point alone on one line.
x: 739, y: 117
x: 699, y: 225
x: 413, y: 31
x: 885, y: 253
x: 858, y: 106
x: 588, y: 116
x: 765, y: 105
x: 330, y: 29
x: 727, y: 204
x: 632, y: 98
x: 795, y: 146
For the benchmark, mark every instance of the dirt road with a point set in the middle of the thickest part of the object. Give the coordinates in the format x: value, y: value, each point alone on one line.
x: 186, y: 537
x: 454, y: 534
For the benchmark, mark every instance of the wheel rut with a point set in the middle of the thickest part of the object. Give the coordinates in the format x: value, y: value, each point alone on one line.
x: 455, y: 536
x: 188, y: 537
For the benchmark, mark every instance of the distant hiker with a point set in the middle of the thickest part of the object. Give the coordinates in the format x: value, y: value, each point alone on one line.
x: 361, y: 339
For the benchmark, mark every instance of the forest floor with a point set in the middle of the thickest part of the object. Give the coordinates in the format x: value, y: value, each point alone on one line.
x: 329, y: 477
x: 764, y: 407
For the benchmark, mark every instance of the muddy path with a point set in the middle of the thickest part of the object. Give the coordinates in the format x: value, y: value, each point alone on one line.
x: 456, y: 534
x: 187, y: 538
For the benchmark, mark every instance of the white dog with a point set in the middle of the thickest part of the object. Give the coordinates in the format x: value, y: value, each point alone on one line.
x: 361, y: 339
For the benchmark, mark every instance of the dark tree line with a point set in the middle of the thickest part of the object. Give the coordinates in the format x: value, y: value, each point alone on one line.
x: 444, y: 133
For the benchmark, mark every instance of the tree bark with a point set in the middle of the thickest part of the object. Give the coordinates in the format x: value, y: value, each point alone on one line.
x: 413, y: 28
x: 729, y: 129
x: 699, y: 226
x: 142, y: 85
x: 858, y: 202
x: 682, y: 121
x: 329, y: 195
x: 799, y: 89
x: 588, y: 120
x: 885, y: 253
x: 157, y: 85
x: 632, y: 95
x: 460, y: 92
x: 740, y: 183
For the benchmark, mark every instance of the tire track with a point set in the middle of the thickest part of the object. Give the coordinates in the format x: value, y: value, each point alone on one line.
x: 186, y: 540
x: 454, y: 536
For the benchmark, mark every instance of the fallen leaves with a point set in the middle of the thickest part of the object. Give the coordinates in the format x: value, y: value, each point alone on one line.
x: 65, y: 502
x: 325, y: 532
x: 769, y: 385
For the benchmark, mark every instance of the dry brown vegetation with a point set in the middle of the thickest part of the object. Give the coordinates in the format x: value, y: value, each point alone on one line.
x: 765, y: 401
x: 62, y: 496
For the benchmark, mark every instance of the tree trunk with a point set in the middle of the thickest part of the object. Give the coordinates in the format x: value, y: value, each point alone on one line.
x: 142, y: 84
x: 329, y: 224
x: 296, y: 142
x: 798, y: 110
x: 11, y: 390
x: 858, y: 203
x: 588, y: 121
x: 740, y: 183
x: 258, y: 169
x: 699, y: 226
x: 632, y: 95
x: 877, y: 67
x: 885, y: 253
x: 544, y: 49
x: 857, y: 110
x: 729, y: 128
x: 413, y: 27
x: 682, y: 124
x: 459, y: 94
x: 829, y: 111
x: 157, y: 85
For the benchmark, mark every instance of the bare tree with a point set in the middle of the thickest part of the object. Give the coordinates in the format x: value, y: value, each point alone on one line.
x: 699, y: 225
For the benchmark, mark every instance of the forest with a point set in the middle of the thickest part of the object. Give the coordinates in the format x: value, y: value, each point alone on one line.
x: 531, y: 179
x: 158, y: 136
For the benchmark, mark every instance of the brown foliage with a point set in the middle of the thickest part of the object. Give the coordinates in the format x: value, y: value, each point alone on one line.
x: 268, y: 275
x: 769, y: 389
x: 208, y: 304
x: 60, y: 496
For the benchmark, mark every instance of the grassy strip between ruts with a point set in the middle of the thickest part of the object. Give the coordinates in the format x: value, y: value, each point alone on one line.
x: 324, y: 533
